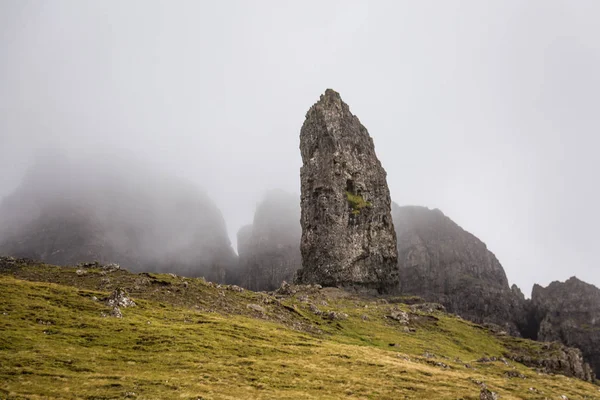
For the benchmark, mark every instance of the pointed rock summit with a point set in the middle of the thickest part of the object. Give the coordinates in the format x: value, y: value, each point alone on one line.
x: 348, y: 237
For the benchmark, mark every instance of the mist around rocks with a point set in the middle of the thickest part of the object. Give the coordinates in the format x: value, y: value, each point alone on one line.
x: 70, y: 210
x: 80, y: 209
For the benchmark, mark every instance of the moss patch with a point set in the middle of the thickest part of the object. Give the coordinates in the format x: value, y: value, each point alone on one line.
x: 357, y: 202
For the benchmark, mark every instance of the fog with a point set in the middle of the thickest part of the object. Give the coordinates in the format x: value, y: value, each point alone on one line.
x: 486, y: 110
x: 73, y: 209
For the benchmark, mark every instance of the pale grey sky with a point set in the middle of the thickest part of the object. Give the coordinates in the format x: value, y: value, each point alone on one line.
x: 486, y: 110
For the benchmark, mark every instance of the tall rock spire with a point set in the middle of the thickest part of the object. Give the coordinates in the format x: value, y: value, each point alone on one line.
x: 348, y: 237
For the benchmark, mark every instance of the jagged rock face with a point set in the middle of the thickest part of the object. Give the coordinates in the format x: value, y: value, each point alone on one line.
x: 348, y: 237
x: 569, y: 312
x: 269, y: 249
x: 67, y: 212
x: 443, y: 263
x: 558, y: 359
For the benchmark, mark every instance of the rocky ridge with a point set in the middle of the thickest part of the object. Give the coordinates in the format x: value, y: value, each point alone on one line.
x: 568, y: 312
x: 443, y: 263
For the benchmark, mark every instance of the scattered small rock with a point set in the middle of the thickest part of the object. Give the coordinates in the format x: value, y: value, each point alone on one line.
x: 487, y: 394
x: 303, y: 298
x: 314, y: 309
x: 398, y: 315
x: 429, y: 355
x: 514, y: 374
x: 116, y: 312
x: 256, y: 307
x: 111, y: 267
x: 81, y: 272
x: 235, y: 288
x: 119, y: 298
x: 427, y: 307
x: 285, y: 289
x: 332, y: 315
x: 364, y: 317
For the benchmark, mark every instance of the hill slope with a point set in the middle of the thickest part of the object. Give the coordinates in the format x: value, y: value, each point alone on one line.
x: 191, y: 339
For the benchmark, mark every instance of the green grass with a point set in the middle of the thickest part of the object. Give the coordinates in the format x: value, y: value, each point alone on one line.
x: 357, y: 202
x: 198, y: 340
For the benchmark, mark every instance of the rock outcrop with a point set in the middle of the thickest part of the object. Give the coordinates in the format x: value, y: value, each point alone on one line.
x: 569, y: 312
x: 68, y: 212
x: 269, y: 249
x: 442, y: 263
x: 348, y: 237
x: 556, y: 358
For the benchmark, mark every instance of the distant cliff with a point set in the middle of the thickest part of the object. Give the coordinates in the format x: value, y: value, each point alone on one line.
x: 568, y: 312
x: 269, y: 249
x: 441, y: 262
x: 66, y: 212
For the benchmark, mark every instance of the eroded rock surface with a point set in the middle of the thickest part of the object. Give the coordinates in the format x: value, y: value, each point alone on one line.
x: 348, y: 237
x: 442, y: 263
x: 569, y: 312
x: 556, y: 358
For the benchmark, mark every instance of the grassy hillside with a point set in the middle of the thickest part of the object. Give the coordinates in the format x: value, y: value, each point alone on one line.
x: 189, y: 339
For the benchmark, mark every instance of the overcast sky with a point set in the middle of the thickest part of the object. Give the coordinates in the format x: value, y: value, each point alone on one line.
x: 486, y: 110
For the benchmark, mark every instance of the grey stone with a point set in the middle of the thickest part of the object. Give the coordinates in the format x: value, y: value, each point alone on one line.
x: 116, y: 312
x: 256, y: 307
x: 487, y: 394
x: 348, y: 238
x: 441, y: 262
x: 332, y: 315
x: 118, y: 298
x: 556, y: 358
x: 427, y: 308
x: 398, y: 315
x: 569, y: 312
